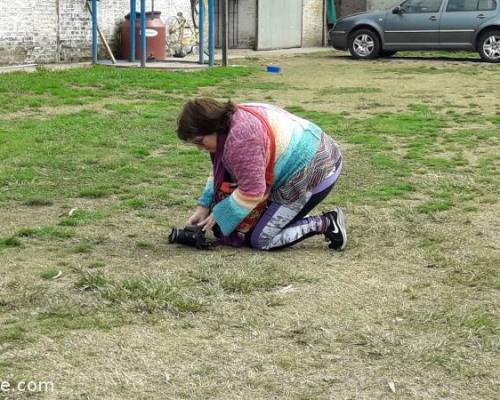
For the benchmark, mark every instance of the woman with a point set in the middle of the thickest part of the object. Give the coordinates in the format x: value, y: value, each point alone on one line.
x: 269, y: 169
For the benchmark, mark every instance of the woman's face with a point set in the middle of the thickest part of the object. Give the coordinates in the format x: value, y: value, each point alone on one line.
x: 207, y: 142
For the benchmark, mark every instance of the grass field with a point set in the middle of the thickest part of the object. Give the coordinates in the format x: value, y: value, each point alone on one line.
x: 93, y: 299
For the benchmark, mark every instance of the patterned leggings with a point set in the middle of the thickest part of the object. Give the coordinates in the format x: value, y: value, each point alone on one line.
x: 283, y: 225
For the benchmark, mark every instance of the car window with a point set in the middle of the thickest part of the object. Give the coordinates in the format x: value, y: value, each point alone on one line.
x: 462, y: 5
x: 421, y: 6
x: 487, y: 5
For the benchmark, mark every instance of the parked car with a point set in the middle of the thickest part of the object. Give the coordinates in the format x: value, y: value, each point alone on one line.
x: 422, y: 25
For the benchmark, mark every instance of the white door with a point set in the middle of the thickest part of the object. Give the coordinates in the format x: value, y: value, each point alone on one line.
x: 279, y: 24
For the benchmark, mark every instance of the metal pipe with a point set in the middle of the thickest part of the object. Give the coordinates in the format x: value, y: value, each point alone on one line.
x: 143, y: 33
x: 225, y: 27
x: 132, y: 30
x: 211, y: 47
x: 94, y: 31
x: 152, y: 10
x: 201, y: 32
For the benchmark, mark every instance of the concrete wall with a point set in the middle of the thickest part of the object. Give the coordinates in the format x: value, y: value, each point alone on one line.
x: 47, y: 31
x: 243, y: 23
x: 247, y: 24
x: 242, y: 28
x: 348, y: 7
x: 44, y: 31
x: 312, y: 23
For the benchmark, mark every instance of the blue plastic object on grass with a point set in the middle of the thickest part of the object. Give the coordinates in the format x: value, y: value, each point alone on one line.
x: 273, y: 69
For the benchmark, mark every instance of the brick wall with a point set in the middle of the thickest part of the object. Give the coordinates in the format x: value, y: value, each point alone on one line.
x: 312, y: 23
x: 44, y: 31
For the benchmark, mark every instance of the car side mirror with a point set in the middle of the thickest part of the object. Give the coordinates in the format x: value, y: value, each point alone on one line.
x: 397, y: 10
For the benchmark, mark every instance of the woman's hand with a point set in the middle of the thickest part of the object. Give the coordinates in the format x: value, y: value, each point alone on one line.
x: 208, y: 223
x: 199, y: 215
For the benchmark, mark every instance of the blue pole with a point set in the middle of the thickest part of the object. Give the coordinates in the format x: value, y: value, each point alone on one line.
x: 143, y: 33
x: 211, y: 48
x: 132, y: 30
x: 94, y: 31
x: 201, y: 31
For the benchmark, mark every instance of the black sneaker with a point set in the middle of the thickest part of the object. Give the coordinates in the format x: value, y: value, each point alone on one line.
x: 336, y: 232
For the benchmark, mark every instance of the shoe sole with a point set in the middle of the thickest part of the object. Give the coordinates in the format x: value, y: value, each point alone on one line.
x: 341, y: 225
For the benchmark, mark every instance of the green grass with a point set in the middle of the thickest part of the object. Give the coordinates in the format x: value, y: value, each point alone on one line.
x: 38, y: 202
x: 50, y: 274
x: 46, y: 232
x: 14, y: 334
x: 99, y: 163
x: 10, y: 242
x: 85, y: 86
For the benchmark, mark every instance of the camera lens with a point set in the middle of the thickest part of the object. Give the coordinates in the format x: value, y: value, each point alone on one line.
x: 191, y: 235
x: 172, y: 238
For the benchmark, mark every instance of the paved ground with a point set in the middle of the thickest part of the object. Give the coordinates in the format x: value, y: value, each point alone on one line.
x: 188, y: 62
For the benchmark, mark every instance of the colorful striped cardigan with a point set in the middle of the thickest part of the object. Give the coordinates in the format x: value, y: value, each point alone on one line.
x: 245, y: 156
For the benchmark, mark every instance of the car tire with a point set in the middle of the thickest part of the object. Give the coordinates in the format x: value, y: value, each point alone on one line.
x: 387, y: 53
x: 364, y: 44
x: 489, y: 46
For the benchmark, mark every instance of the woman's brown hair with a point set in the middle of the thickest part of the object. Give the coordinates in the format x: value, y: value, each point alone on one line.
x: 204, y: 116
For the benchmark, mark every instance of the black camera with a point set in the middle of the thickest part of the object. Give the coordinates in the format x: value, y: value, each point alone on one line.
x: 191, y: 235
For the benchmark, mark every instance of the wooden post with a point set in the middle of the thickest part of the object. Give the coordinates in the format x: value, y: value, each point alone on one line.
x: 225, y: 36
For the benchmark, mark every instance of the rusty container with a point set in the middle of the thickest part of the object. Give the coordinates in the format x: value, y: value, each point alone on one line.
x: 155, y: 37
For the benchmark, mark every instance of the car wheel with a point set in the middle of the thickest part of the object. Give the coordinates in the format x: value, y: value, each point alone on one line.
x: 387, y: 53
x: 489, y: 46
x: 364, y: 44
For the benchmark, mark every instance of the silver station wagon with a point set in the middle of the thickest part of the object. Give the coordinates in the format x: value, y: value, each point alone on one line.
x: 422, y: 25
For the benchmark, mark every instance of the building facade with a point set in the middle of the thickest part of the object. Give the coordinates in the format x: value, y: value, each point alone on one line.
x: 48, y: 31
x: 51, y: 31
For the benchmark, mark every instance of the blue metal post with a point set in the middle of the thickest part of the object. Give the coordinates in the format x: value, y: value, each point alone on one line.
x: 201, y: 31
x: 94, y: 31
x: 132, y: 30
x: 211, y: 47
x: 143, y: 33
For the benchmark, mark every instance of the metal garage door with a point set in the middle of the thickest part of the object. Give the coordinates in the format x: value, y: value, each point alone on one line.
x: 279, y: 24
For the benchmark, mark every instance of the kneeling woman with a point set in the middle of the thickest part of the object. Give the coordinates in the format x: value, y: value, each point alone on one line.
x: 270, y: 168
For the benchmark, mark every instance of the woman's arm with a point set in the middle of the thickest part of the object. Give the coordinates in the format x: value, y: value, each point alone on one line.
x: 245, y: 155
x: 207, y: 198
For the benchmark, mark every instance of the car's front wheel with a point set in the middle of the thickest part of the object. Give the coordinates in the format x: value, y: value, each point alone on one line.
x: 489, y: 46
x: 364, y: 44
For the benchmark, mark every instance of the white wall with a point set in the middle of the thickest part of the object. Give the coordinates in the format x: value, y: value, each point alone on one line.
x: 381, y: 4
x: 312, y: 23
x: 43, y: 31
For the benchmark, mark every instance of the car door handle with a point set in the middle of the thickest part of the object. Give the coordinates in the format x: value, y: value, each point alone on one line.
x: 434, y: 18
x: 481, y: 16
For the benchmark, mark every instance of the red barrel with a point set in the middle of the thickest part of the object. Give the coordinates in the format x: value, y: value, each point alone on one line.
x: 155, y: 37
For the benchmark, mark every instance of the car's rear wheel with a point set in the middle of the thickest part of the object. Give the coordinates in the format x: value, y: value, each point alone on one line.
x: 387, y: 53
x: 489, y: 46
x: 364, y: 44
